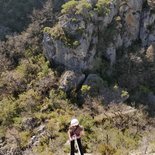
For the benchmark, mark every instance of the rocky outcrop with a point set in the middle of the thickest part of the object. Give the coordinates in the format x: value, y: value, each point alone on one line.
x: 70, y: 80
x: 130, y: 13
x: 91, y: 29
x: 75, y: 52
x: 73, y: 40
x: 108, y: 95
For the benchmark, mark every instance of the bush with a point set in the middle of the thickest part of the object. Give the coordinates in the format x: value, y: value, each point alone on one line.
x: 102, y: 7
x: 24, y: 138
x: 83, y: 7
x: 42, y: 150
x: 8, y: 110
x: 69, y: 7
x: 85, y: 89
x: 106, y: 149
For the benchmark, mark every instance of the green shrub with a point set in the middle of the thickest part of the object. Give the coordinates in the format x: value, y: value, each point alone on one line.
x: 42, y: 150
x: 8, y: 110
x: 87, y: 122
x: 2, y: 132
x: 83, y: 6
x: 85, y: 89
x: 102, y: 7
x: 69, y: 7
x: 58, y: 34
x: 24, y: 138
x: 47, y: 29
x: 106, y: 149
x: 29, y: 101
x: 124, y: 93
x: 76, y: 43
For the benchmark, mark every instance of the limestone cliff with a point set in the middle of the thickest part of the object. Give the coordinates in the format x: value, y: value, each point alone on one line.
x: 93, y: 30
x: 73, y: 40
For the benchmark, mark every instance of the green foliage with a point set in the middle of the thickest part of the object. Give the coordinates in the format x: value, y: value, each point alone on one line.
x: 86, y: 121
x: 58, y: 34
x: 2, y: 132
x: 42, y: 149
x: 29, y: 100
x: 47, y: 29
x: 124, y: 93
x: 76, y: 43
x: 17, y: 121
x: 8, y: 110
x: 85, y: 89
x: 106, y: 149
x: 102, y: 7
x: 24, y: 138
x: 69, y: 7
x: 82, y: 7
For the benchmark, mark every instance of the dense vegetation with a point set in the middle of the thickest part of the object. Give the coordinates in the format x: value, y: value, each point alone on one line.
x: 32, y: 106
x: 15, y: 15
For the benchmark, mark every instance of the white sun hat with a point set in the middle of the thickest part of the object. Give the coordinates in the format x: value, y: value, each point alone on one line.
x: 74, y: 122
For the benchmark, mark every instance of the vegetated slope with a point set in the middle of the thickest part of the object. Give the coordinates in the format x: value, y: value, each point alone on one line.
x: 15, y: 15
x: 35, y: 113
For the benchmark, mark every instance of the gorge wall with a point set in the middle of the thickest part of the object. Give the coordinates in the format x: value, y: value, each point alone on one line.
x: 113, y: 38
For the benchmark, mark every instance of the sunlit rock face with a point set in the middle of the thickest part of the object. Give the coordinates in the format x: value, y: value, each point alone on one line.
x: 151, y: 3
x: 78, y: 51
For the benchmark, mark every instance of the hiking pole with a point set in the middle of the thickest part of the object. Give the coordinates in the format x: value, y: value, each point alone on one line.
x: 76, y: 143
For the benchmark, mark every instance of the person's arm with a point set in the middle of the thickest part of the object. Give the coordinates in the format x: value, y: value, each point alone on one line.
x: 69, y: 135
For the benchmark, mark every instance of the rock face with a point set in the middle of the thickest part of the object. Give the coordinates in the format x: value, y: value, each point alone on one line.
x: 147, y: 30
x: 73, y: 40
x: 87, y: 30
x: 70, y: 80
x: 130, y: 13
x: 78, y: 51
x: 100, y: 89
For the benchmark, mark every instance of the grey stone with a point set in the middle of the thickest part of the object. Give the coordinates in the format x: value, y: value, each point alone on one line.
x: 70, y: 80
x: 147, y: 29
x: 130, y: 12
x: 111, y: 54
x: 75, y: 57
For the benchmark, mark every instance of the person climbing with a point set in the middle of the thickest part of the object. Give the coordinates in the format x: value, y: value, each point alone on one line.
x: 75, y: 132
